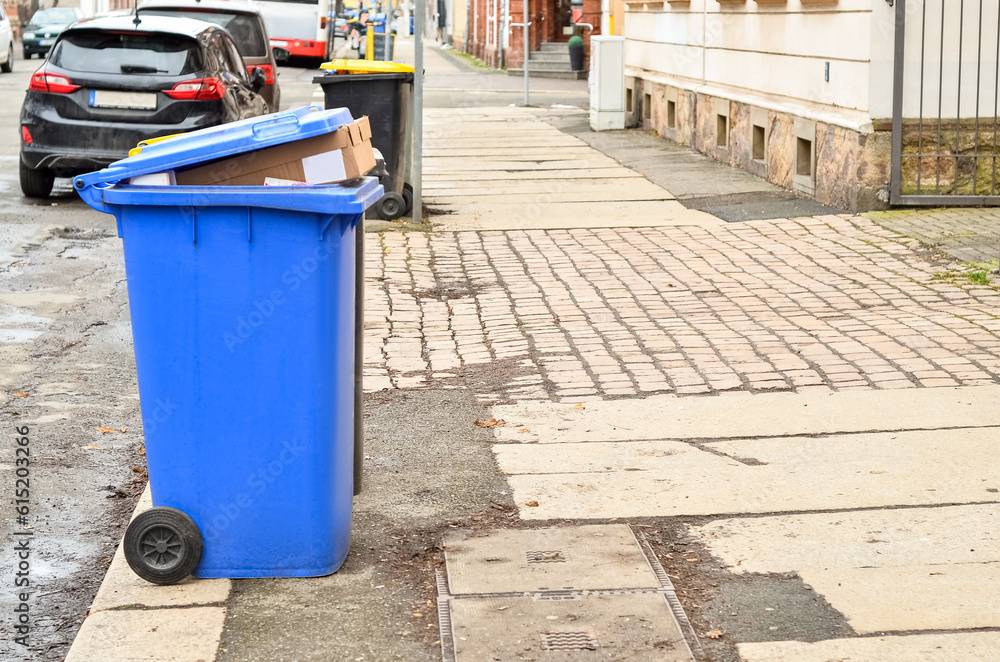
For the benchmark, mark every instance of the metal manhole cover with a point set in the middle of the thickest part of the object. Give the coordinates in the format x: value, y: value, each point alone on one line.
x: 569, y: 641
x: 550, y: 556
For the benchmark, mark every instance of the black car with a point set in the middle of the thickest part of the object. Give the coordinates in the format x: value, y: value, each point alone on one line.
x: 244, y: 25
x: 112, y: 82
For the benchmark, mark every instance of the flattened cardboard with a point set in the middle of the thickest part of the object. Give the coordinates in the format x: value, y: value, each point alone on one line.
x: 313, y: 160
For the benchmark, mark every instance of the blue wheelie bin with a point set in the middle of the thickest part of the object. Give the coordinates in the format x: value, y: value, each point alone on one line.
x: 242, y: 301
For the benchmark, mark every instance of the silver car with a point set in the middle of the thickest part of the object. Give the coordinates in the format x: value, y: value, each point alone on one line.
x: 6, y: 44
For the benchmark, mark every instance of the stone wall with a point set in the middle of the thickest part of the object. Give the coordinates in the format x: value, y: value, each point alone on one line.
x: 962, y: 157
x: 840, y: 167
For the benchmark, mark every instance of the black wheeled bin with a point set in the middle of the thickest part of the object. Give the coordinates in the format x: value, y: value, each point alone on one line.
x: 380, y: 90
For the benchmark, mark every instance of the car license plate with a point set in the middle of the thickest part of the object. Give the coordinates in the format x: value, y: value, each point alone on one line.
x: 275, y: 42
x: 46, y: 42
x: 130, y: 100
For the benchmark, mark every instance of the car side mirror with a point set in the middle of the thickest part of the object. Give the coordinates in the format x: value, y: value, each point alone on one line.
x: 257, y: 79
x: 280, y: 54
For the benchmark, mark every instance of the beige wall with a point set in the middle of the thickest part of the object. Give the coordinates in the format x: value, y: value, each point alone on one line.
x: 778, y: 50
x: 458, y: 22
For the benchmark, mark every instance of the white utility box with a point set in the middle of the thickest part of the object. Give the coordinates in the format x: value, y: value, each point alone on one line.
x: 607, y: 83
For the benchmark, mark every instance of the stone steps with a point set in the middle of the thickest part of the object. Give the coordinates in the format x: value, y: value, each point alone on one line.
x: 535, y: 73
x: 550, y: 61
x: 561, y: 57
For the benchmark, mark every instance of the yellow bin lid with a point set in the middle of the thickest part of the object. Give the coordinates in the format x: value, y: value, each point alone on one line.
x: 149, y: 141
x: 366, y: 67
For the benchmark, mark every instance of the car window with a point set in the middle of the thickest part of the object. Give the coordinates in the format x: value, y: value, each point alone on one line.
x: 244, y: 28
x: 54, y: 16
x: 127, y: 52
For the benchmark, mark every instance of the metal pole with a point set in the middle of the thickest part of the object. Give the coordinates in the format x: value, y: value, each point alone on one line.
x: 895, y: 169
x: 418, y: 108
x: 526, y: 33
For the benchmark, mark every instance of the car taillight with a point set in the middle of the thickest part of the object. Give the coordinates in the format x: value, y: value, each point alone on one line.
x: 43, y: 81
x: 197, y: 89
x: 268, y: 71
x: 26, y: 135
x: 322, y: 22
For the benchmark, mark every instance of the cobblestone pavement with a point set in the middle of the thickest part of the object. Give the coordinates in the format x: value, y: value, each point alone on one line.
x: 968, y: 233
x: 834, y: 301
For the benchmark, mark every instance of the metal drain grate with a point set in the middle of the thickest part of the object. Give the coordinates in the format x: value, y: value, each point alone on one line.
x: 550, y: 556
x: 569, y: 641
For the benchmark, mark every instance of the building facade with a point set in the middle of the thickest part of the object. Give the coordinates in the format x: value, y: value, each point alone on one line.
x: 496, y: 37
x: 796, y: 91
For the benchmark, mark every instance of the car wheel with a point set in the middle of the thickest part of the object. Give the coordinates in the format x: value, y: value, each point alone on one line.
x: 8, y: 66
x: 26, y: 54
x: 35, y: 183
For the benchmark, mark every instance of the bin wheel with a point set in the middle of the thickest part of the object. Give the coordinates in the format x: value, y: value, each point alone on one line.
x: 390, y: 207
x: 407, y: 199
x: 163, y: 545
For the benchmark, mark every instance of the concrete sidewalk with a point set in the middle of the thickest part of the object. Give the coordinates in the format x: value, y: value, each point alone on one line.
x: 690, y: 437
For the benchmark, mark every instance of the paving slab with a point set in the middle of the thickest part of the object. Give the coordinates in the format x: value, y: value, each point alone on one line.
x: 533, y: 215
x: 175, y: 635
x: 446, y: 178
x: 949, y: 647
x: 953, y: 596
x: 516, y: 151
x: 670, y: 478
x: 970, y: 234
x: 596, y: 627
x: 875, y: 539
x: 472, y: 142
x: 461, y: 165
x: 743, y: 415
x: 550, y: 190
x: 577, y: 558
x: 879, y: 538
x: 122, y: 588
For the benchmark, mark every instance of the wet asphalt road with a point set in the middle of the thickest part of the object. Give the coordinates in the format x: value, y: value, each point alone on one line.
x: 65, y: 342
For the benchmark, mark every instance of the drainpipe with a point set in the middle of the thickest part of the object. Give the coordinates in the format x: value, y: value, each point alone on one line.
x: 502, y: 33
x: 704, y: 40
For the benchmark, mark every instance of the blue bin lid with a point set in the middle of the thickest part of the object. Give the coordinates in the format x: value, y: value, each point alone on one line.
x: 218, y: 142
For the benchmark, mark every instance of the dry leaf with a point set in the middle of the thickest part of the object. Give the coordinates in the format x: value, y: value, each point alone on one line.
x: 20, y: 395
x: 523, y: 430
x: 137, y: 470
x: 142, y: 452
x: 417, y: 614
x: 106, y: 430
x: 578, y: 405
x: 91, y: 448
x: 492, y: 423
x: 692, y: 560
x: 714, y: 634
x: 124, y: 430
x: 531, y: 504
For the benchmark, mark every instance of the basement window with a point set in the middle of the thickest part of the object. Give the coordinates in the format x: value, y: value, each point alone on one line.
x: 803, y: 157
x: 758, y: 142
x: 647, y: 106
x: 721, y: 130
x: 671, y: 114
x: 628, y: 100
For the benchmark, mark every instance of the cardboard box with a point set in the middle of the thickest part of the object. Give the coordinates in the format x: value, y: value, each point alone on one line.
x: 334, y: 157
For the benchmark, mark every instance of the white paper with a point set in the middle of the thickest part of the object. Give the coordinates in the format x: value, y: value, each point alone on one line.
x: 325, y: 167
x: 155, y: 179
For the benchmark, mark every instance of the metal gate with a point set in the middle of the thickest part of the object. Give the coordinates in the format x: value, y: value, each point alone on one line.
x: 946, y: 94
